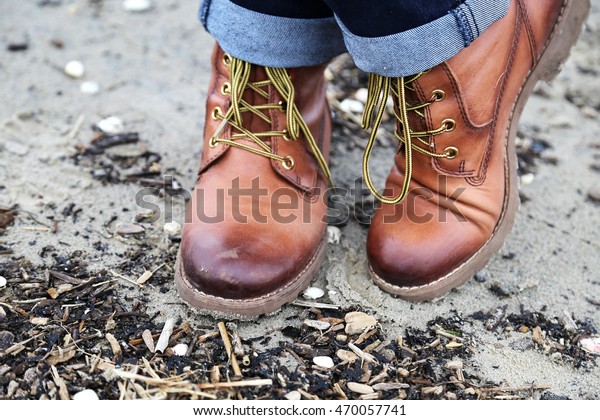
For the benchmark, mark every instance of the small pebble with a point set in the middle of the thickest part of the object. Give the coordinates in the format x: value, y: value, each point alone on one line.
x: 144, y: 215
x: 129, y: 229
x: 362, y: 95
x: 137, y: 5
x: 89, y: 88
x: 86, y: 395
x: 172, y: 228
x: 313, y: 293
x: 589, y: 112
x: 323, y: 361
x: 16, y: 148
x: 594, y: 195
x: 333, y: 234
x: 180, y: 349
x: 3, y: 281
x: 319, y: 325
x: 111, y: 125
x: 6, y: 339
x: 293, y: 396
x: 352, y: 106
x: 74, y: 69
x: 527, y: 179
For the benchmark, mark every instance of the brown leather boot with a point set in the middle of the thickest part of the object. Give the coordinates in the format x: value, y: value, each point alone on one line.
x: 457, y: 125
x: 255, y: 229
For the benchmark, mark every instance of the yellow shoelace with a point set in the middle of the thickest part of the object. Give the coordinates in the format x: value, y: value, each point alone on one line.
x: 281, y: 81
x: 380, y: 88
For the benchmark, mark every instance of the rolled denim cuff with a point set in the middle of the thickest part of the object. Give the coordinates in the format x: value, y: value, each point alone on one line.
x: 271, y: 41
x: 416, y: 50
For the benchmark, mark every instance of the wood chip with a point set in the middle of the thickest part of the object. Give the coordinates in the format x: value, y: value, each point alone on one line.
x: 346, y: 356
x: 435, y: 390
x: 389, y: 386
x: 454, y: 364
x: 215, y: 374
x: 114, y: 345
x: 357, y: 322
x: 63, y: 393
x: 148, y: 340
x: 319, y: 325
x: 538, y: 335
x: 39, y: 321
x: 165, y: 335
x: 365, y: 356
x: 229, y: 349
x: 61, y: 357
x: 359, y: 388
x: 237, y: 384
x: 144, y: 277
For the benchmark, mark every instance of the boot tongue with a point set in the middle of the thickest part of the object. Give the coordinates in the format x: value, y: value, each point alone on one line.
x: 252, y: 122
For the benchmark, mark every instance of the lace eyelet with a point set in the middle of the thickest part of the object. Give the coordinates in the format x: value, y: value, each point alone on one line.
x: 216, y: 113
x: 226, y: 59
x: 449, y: 124
x: 438, y: 95
x: 288, y: 163
x: 286, y: 136
x: 212, y: 142
x: 226, y: 88
x: 282, y: 105
x: 451, y: 152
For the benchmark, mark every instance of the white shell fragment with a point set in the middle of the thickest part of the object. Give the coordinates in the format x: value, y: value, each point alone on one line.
x: 89, y: 88
x: 2, y: 282
x: 180, y: 349
x: 323, y: 361
x: 172, y: 228
x: 591, y: 344
x: 111, y: 125
x: 351, y: 106
x: 86, y: 395
x: 333, y: 234
x: 293, y: 396
x: 313, y: 293
x: 137, y: 5
x: 357, y: 322
x: 74, y: 69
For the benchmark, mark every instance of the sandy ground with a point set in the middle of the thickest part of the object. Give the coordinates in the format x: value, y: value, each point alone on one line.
x: 153, y: 70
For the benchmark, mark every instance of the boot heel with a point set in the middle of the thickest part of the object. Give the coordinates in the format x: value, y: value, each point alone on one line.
x: 564, y: 37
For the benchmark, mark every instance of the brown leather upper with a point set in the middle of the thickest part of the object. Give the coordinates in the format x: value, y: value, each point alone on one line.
x: 455, y: 204
x: 241, y: 259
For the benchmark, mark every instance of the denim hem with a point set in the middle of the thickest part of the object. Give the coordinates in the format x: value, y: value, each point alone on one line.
x: 271, y: 41
x: 416, y: 50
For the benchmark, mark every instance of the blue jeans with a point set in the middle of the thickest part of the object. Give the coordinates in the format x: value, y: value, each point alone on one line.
x: 377, y: 43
